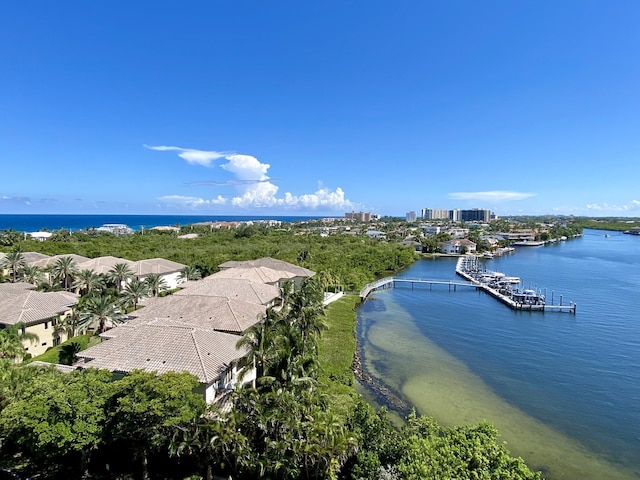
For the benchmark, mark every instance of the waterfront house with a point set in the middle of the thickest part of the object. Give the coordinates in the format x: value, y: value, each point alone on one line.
x: 38, y: 311
x: 40, y: 236
x: 462, y: 245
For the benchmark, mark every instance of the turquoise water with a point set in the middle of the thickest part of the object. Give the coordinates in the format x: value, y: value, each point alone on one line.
x: 563, y: 389
x: 32, y: 223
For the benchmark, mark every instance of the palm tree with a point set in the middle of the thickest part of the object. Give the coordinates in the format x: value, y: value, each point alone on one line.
x: 68, y: 324
x: 190, y: 273
x: 87, y: 282
x: 134, y: 292
x: 12, y: 341
x: 156, y: 284
x: 64, y: 270
x: 306, y: 313
x: 119, y: 274
x: 259, y: 340
x: 31, y: 274
x: 99, y: 313
x: 14, y: 262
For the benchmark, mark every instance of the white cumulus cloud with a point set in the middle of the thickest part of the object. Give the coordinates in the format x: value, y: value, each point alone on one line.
x: 254, y: 188
x: 191, y: 155
x: 493, y: 195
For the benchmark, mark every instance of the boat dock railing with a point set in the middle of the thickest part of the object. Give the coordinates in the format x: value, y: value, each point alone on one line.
x: 389, y: 282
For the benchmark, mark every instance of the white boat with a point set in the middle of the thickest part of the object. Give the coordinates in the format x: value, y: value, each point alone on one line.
x: 528, y: 243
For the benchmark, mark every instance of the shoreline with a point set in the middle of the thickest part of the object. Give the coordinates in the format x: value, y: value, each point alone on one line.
x: 385, y: 395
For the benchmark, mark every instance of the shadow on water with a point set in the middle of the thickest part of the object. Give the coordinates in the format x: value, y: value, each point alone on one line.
x: 394, y: 353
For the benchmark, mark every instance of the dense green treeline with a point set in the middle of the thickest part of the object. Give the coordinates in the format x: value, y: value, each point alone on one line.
x: 352, y: 261
x: 615, y: 224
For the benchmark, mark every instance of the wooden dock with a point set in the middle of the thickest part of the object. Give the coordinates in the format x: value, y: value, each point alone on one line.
x: 390, y: 282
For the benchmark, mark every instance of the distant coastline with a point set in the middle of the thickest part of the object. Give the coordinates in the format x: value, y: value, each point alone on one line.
x: 75, y: 222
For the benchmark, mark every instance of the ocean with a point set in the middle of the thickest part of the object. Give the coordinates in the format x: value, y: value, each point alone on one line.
x: 563, y: 389
x: 34, y: 223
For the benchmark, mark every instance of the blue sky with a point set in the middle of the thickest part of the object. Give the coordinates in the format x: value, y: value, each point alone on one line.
x: 289, y: 107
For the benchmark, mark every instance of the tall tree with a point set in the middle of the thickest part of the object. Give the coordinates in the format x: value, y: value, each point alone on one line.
x: 190, y: 272
x: 134, y: 292
x: 147, y: 408
x: 156, y: 284
x: 12, y: 340
x: 14, y: 262
x: 99, y: 313
x: 31, y: 274
x: 64, y: 269
x: 88, y: 282
x: 119, y: 275
x: 259, y: 340
x: 58, y: 418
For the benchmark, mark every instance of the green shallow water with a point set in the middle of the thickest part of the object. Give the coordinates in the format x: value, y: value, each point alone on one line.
x: 441, y: 386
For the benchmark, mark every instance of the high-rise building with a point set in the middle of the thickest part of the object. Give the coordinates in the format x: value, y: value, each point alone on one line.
x: 475, y: 215
x: 359, y: 216
x: 434, y: 214
x: 411, y: 216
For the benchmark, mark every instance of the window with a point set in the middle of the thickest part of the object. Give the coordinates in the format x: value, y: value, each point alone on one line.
x: 46, y: 325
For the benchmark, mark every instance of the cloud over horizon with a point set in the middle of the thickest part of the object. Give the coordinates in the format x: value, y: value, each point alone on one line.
x: 254, y: 188
x: 493, y: 195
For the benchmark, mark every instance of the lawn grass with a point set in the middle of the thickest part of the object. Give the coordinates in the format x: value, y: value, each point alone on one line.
x: 335, y: 352
x: 53, y: 354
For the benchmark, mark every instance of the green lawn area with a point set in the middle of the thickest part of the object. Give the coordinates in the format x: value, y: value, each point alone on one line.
x: 336, y: 349
x: 52, y: 355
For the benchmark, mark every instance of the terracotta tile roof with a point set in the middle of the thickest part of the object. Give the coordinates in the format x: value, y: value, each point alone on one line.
x: 255, y: 274
x: 164, y: 346
x: 269, y: 263
x: 30, y: 257
x: 20, y: 304
x: 102, y: 265
x: 213, y: 313
x: 155, y: 265
x: 233, y: 289
x: 45, y: 262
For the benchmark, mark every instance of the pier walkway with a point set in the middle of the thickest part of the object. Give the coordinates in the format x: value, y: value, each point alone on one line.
x: 390, y: 282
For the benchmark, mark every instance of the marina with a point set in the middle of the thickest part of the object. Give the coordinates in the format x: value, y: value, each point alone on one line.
x: 506, y: 289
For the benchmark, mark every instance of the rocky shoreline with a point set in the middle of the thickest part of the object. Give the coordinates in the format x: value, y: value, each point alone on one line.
x: 383, y: 394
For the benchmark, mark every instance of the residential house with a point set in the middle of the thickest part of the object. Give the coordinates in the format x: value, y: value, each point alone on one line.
x: 46, y: 262
x: 38, y: 311
x: 257, y: 274
x: 103, y: 265
x: 169, y: 271
x: 462, y: 245
x: 234, y: 289
x: 214, y: 313
x: 268, y: 262
x: 162, y: 345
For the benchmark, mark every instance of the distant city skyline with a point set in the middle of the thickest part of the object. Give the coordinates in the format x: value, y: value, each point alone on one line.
x: 296, y: 108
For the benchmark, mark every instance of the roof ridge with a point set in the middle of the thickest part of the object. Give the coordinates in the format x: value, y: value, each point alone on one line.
x: 205, y: 374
